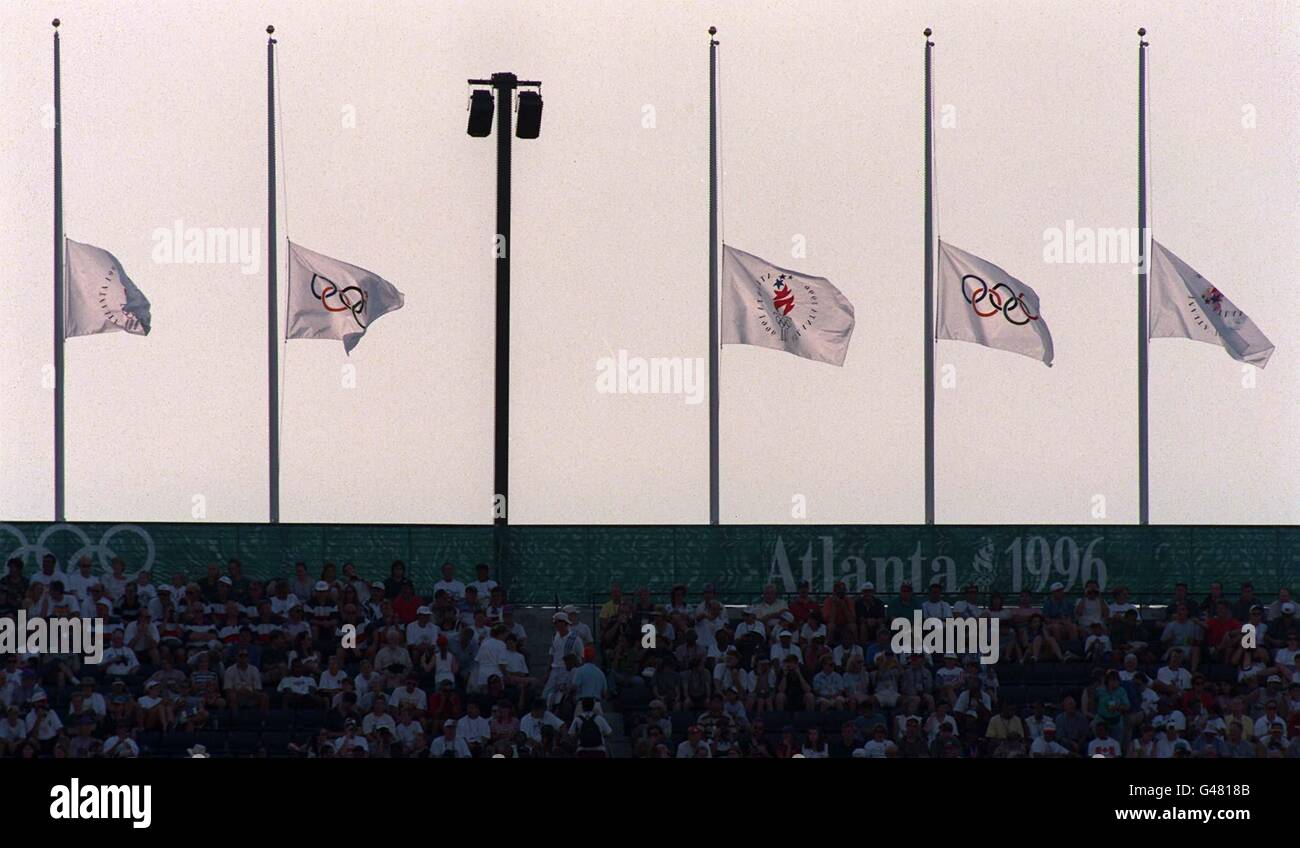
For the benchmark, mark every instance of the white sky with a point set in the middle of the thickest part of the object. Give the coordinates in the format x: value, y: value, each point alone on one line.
x: 164, y: 119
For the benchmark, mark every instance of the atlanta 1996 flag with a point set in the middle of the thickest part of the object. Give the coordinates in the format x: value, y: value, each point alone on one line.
x: 1186, y: 305
x: 981, y: 303
x: 100, y: 296
x: 330, y: 299
x: 768, y: 306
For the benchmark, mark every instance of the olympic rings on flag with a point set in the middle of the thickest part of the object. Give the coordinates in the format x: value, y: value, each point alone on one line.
x: 1006, y: 304
x: 357, y: 307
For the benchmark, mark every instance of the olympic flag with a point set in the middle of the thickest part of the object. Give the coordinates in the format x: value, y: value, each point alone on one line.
x: 1185, y: 305
x: 768, y: 306
x: 981, y: 303
x: 100, y: 296
x: 329, y: 299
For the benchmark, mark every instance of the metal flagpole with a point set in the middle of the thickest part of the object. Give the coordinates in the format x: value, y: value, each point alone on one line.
x: 58, y: 286
x: 272, y: 315
x: 713, y: 277
x: 929, y: 294
x: 1143, y: 477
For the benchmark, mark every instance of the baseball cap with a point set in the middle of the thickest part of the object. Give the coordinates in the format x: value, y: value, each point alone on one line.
x: 424, y: 611
x: 559, y: 616
x: 1056, y: 586
x: 785, y: 633
x: 378, y: 584
x: 869, y: 586
x: 224, y: 579
x: 322, y: 586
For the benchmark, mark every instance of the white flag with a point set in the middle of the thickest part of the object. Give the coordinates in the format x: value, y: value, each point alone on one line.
x: 1185, y: 305
x: 981, y: 303
x: 329, y: 299
x: 771, y: 307
x: 99, y: 296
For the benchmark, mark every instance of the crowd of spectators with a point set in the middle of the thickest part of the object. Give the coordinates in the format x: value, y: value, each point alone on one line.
x: 1090, y: 675
x: 326, y: 666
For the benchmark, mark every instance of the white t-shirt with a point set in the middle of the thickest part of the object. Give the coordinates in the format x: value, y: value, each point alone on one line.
x: 301, y: 685
x: 373, y: 722
x: 1107, y: 747
x: 472, y: 729
x: 115, y: 746
x: 1043, y: 747
x: 876, y: 750
x: 421, y: 634
x: 439, y: 747
x: 532, y: 727
x: 492, y: 655
x: 1181, y: 677
x: 455, y: 588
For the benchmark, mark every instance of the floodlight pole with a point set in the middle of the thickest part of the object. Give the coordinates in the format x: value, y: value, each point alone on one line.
x: 505, y: 85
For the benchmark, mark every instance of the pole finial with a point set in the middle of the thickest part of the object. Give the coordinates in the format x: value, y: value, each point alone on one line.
x: 1142, y: 31
x: 56, y: 23
x: 270, y: 30
x: 928, y: 32
x: 713, y: 30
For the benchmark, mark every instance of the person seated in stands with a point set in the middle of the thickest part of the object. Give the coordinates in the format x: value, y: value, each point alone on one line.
x: 1183, y: 633
x: 1223, y: 634
x: 1058, y: 615
x: 793, y: 691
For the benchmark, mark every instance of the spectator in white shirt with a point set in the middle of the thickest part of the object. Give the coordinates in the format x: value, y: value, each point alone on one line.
x: 473, y: 728
x: 449, y: 583
x: 449, y: 744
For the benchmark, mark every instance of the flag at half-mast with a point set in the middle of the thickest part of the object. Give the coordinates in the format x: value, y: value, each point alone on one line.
x: 981, y: 303
x: 773, y: 307
x: 100, y: 296
x: 1185, y: 305
x: 330, y: 299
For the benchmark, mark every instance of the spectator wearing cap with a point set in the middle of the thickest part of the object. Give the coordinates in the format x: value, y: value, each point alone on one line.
x: 750, y: 630
x: 421, y: 634
x: 784, y: 648
x: 1046, y: 746
x: 693, y: 745
x: 449, y: 744
x: 538, y: 717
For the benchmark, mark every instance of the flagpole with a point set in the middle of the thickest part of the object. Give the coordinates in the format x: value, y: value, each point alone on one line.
x: 58, y: 286
x: 929, y: 294
x: 272, y: 314
x: 1143, y: 475
x: 713, y: 278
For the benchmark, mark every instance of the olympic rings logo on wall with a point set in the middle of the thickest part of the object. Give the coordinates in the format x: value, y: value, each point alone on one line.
x: 1005, y: 305
x: 102, y: 548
